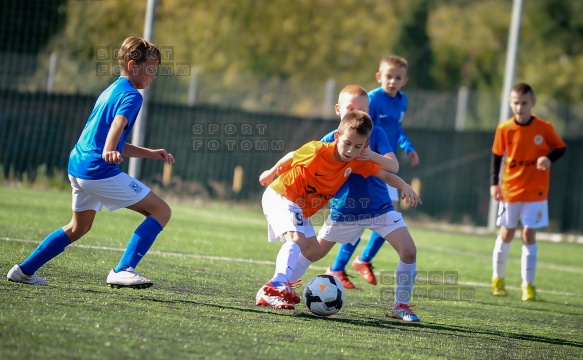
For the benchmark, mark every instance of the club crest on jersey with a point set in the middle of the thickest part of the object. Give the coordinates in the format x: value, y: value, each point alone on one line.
x: 347, y: 172
x: 538, y: 139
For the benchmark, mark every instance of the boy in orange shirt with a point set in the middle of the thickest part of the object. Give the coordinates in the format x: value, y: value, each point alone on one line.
x: 308, y: 178
x: 531, y: 145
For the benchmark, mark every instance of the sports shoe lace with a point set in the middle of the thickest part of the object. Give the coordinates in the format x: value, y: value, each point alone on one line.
x: 133, y: 271
x: 369, y: 266
x: 408, y: 308
x: 296, y: 285
x: 344, y: 276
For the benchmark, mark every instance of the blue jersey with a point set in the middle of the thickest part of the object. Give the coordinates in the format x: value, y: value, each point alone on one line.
x: 85, y: 161
x: 388, y: 113
x: 359, y: 197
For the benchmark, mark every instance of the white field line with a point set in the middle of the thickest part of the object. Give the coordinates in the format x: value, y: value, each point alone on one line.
x: 489, y: 257
x: 272, y: 263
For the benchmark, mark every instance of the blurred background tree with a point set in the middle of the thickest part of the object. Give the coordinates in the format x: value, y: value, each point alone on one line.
x: 449, y: 43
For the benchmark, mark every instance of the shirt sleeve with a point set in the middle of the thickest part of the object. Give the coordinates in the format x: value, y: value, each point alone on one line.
x: 554, y: 139
x: 366, y: 168
x: 130, y: 105
x: 380, y: 141
x: 372, y: 111
x: 404, y: 142
x: 306, y: 153
x: 498, y: 147
x: 328, y: 138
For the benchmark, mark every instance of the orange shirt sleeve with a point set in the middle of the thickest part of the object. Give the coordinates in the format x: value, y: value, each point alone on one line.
x: 498, y: 148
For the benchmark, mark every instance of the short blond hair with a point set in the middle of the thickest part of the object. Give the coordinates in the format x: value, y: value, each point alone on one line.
x: 356, y: 121
x: 393, y: 60
x: 353, y: 90
x: 137, y: 49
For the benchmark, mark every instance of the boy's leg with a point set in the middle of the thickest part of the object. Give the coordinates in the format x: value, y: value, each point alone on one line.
x: 501, y: 250
x: 157, y: 214
x: 528, y: 264
x: 508, y: 216
x: 372, y: 247
x: 405, y: 273
x: 278, y: 292
x: 54, y: 244
x: 348, y: 235
x: 304, y: 261
x: 362, y: 263
x: 534, y: 216
x: 286, y: 261
x: 344, y: 254
x: 140, y: 242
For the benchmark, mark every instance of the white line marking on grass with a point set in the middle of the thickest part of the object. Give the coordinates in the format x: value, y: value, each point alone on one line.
x: 483, y: 256
x: 272, y: 263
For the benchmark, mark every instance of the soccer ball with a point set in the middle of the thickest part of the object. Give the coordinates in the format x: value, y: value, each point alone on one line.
x: 324, y: 295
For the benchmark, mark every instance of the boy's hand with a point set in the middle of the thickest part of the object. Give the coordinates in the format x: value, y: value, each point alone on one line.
x: 266, y: 177
x: 409, y: 195
x: 161, y: 154
x: 543, y: 163
x: 413, y: 157
x: 495, y: 192
x: 366, y: 154
x: 112, y: 157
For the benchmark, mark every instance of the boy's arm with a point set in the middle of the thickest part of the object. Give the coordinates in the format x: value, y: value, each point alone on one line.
x: 130, y: 150
x: 407, y: 191
x: 388, y: 161
x: 495, y: 164
x: 285, y: 162
x: 407, y: 146
x: 544, y: 162
x: 110, y: 154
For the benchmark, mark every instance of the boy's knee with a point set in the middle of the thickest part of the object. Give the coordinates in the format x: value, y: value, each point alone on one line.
x: 312, y: 254
x: 164, y: 214
x: 76, y: 231
x: 408, y: 255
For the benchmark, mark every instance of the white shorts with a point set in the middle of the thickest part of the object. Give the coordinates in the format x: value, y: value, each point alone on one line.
x: 114, y: 193
x: 283, y: 216
x: 393, y: 193
x: 533, y: 215
x: 347, y: 232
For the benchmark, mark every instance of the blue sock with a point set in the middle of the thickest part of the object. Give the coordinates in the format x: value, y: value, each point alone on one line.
x: 344, y: 254
x: 139, y: 244
x: 54, y: 244
x: 372, y: 247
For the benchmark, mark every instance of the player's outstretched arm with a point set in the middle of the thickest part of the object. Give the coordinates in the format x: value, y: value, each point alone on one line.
x: 135, y: 151
x: 388, y: 161
x: 285, y: 162
x: 407, y: 193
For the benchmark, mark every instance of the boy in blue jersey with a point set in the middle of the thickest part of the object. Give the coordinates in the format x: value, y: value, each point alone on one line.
x: 97, y: 180
x: 388, y: 105
x: 364, y: 203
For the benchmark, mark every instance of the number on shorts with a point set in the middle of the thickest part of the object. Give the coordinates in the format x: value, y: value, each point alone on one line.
x: 299, y: 219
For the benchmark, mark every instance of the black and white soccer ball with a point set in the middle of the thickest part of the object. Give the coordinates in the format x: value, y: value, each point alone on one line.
x: 324, y: 295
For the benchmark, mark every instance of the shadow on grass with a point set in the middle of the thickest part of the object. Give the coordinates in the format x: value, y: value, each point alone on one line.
x: 383, y: 324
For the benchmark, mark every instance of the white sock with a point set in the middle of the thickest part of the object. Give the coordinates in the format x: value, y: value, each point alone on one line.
x: 500, y: 258
x: 286, y: 261
x: 528, y: 263
x: 405, y: 280
x: 301, y: 267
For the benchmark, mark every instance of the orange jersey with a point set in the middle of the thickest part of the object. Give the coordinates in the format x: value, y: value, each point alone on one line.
x: 523, y: 145
x: 314, y: 176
